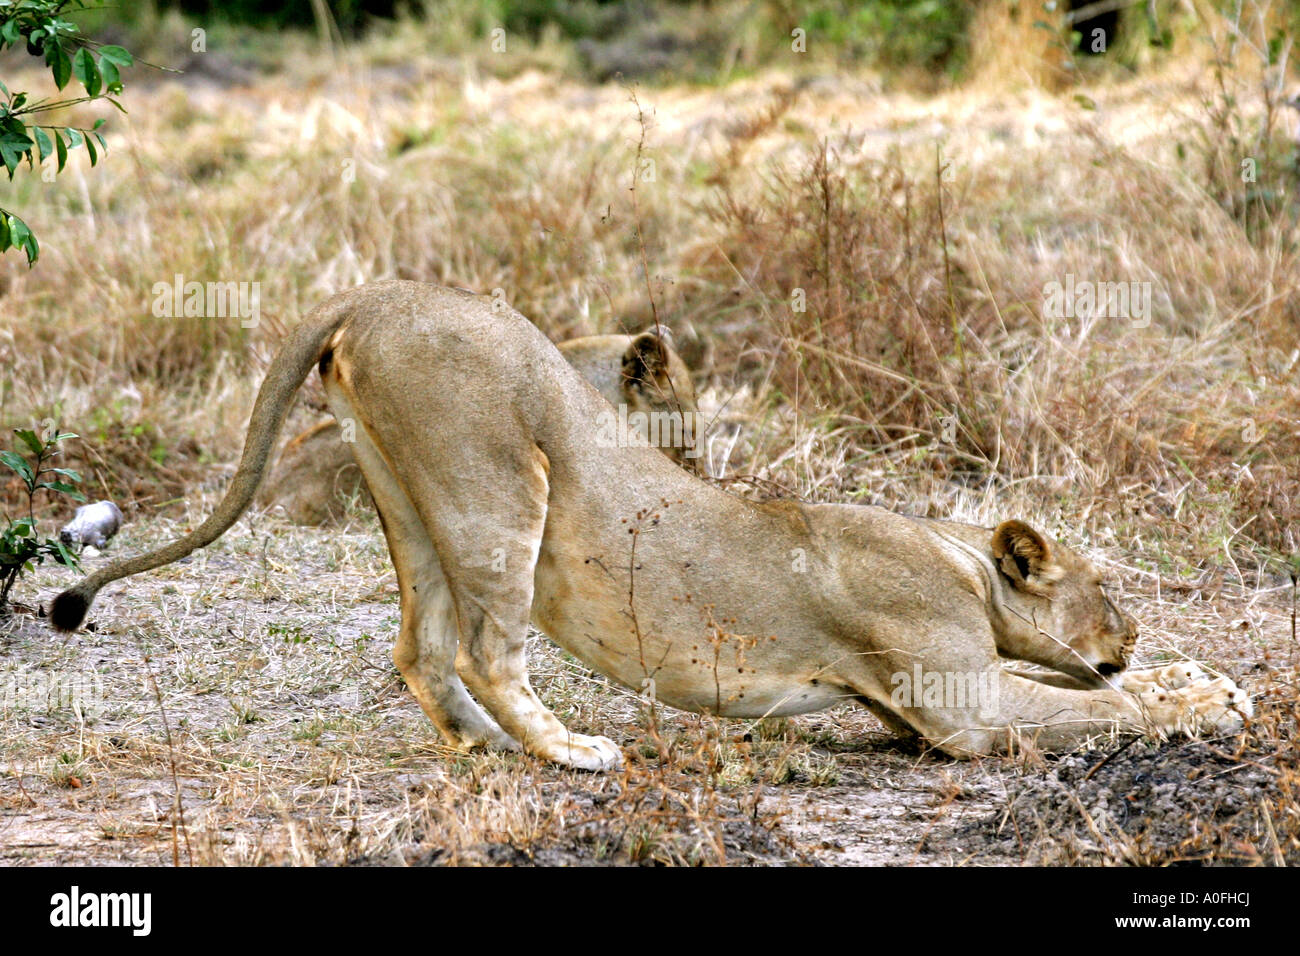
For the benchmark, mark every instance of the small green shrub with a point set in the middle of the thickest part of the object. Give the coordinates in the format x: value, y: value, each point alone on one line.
x: 21, y: 545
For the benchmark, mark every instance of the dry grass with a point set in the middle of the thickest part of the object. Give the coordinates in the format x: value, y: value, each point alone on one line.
x: 922, y: 374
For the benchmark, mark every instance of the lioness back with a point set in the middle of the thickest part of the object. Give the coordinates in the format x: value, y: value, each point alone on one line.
x: 316, y: 473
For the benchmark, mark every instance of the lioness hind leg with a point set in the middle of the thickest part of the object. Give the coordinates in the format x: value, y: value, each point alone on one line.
x: 425, y: 651
x: 488, y: 532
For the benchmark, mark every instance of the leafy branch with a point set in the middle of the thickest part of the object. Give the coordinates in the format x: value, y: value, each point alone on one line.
x: 40, y: 26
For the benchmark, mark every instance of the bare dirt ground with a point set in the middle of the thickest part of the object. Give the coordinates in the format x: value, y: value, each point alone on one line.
x: 292, y: 739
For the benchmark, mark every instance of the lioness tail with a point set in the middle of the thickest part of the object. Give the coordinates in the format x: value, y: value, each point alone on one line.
x: 300, y: 352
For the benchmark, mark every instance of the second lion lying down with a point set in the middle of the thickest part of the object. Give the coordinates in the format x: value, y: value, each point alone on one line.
x: 504, y: 503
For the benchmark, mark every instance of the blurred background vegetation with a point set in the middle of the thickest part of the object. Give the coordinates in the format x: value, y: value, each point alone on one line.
x: 923, y: 42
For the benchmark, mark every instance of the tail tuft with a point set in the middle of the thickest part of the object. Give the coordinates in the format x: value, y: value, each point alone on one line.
x: 69, y: 610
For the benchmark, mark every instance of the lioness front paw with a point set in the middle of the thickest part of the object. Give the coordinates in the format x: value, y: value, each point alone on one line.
x: 1215, y: 706
x: 584, y: 753
x: 1170, y: 676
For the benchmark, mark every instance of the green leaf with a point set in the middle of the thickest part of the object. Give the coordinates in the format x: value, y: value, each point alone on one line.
x: 43, y: 142
x: 18, y: 231
x: 116, y: 55
x: 30, y: 439
x: 21, y: 237
x: 63, y: 489
x: 112, y: 80
x: 90, y: 148
x: 14, y: 147
x: 87, y: 74
x: 65, y: 557
x: 67, y: 473
x: 60, y: 150
x: 62, y: 435
x: 18, y: 463
x: 59, y: 63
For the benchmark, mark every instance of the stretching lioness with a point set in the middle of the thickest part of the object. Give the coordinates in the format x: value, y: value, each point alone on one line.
x: 504, y: 500
x: 641, y: 373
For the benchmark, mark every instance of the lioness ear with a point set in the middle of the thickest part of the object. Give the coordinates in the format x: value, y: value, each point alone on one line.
x: 646, y: 358
x: 1024, y: 556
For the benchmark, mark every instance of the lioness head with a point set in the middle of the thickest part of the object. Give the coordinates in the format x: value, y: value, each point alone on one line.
x: 644, y: 373
x: 1059, y: 593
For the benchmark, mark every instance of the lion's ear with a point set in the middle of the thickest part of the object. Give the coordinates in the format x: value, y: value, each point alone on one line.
x: 646, y: 360
x: 1024, y: 556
